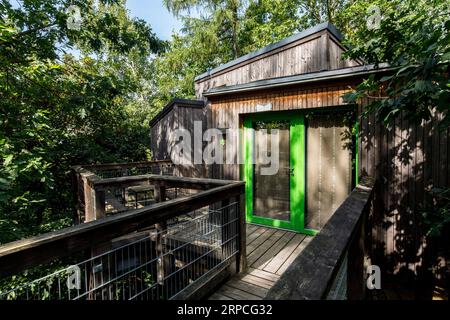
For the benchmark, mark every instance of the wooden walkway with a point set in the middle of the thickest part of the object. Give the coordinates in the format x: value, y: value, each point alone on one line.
x: 269, y: 254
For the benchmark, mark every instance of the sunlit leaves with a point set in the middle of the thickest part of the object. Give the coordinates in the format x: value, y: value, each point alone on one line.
x: 413, y: 37
x: 57, y: 110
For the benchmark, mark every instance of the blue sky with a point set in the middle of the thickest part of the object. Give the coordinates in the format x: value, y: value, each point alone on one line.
x: 156, y: 14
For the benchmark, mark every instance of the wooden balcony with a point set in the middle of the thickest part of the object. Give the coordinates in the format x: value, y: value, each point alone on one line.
x: 288, y: 266
x: 193, y: 244
x: 269, y: 253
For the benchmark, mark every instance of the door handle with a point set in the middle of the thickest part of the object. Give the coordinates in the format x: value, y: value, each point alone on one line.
x: 291, y: 171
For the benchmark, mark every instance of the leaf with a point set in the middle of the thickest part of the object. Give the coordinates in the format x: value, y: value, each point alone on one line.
x: 8, y: 160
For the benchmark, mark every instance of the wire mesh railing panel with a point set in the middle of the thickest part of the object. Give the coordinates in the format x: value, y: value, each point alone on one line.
x: 154, y: 264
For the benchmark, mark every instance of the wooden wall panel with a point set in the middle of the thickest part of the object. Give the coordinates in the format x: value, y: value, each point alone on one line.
x: 317, y: 52
x: 226, y: 112
x: 163, y: 136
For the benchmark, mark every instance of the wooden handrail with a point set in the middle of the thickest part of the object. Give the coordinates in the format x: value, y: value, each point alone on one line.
x: 112, y: 166
x: 311, y: 274
x: 90, y: 200
x: 168, y: 181
x: 20, y: 255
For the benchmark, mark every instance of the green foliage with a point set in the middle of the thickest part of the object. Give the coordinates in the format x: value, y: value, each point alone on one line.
x: 413, y: 37
x: 58, y: 109
x: 216, y: 32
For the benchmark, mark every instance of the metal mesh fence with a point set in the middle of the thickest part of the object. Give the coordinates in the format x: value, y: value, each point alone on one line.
x: 153, y: 264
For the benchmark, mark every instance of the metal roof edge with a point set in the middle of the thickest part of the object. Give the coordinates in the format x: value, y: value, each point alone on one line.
x: 298, y: 79
x: 171, y: 104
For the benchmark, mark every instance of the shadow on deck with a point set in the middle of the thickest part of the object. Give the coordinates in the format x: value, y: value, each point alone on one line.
x: 269, y: 253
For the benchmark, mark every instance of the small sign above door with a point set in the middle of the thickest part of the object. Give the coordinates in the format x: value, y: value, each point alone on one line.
x: 263, y: 107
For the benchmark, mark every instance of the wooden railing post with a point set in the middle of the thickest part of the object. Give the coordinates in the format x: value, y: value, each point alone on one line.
x: 78, y: 195
x: 358, y: 257
x: 94, y: 203
x: 355, y: 266
x: 89, y: 214
x: 164, y: 264
x: 94, y: 198
x: 99, y: 208
x: 241, y: 260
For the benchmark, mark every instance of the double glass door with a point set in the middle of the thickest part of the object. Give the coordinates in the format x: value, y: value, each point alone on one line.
x: 297, y: 171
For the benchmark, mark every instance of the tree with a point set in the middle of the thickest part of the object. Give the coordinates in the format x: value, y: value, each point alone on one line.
x: 58, y: 109
x: 413, y: 37
x: 222, y: 30
x: 223, y: 15
x: 268, y: 21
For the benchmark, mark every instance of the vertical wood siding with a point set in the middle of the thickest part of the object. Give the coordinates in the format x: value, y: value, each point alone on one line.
x: 163, y: 136
x: 407, y: 158
x: 317, y: 52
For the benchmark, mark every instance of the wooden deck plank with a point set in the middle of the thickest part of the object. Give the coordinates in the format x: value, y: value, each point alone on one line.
x: 257, y: 233
x: 248, y: 287
x: 267, y: 257
x: 218, y: 296
x: 237, y: 294
x: 260, y: 240
x: 250, y: 229
x: 266, y: 245
x: 269, y: 253
x: 257, y: 281
x: 283, y: 255
x: 263, y: 274
x: 294, y: 255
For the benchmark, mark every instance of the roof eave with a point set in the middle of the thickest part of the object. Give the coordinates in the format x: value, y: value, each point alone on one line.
x: 171, y: 104
x: 299, y: 79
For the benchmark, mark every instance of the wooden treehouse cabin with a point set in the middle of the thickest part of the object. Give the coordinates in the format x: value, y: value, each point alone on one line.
x: 345, y: 194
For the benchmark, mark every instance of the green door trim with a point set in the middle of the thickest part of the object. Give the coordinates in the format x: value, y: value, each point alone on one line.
x: 297, y: 181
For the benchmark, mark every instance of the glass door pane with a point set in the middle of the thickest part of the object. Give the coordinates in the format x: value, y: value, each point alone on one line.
x: 271, y: 188
x: 328, y: 168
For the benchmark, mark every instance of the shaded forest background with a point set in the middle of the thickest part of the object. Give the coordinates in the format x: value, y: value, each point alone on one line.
x: 58, y: 108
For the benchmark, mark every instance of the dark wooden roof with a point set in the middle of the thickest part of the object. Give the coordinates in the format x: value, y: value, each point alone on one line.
x: 298, y: 79
x: 179, y: 102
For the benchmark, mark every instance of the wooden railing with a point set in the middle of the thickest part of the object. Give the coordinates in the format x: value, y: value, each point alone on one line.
x: 332, y: 266
x: 92, y: 236
x: 91, y: 201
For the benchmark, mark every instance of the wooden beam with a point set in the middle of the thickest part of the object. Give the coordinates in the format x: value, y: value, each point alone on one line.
x: 167, y: 181
x: 114, y: 166
x: 241, y: 260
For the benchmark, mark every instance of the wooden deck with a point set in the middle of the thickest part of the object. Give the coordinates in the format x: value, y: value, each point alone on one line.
x: 269, y: 254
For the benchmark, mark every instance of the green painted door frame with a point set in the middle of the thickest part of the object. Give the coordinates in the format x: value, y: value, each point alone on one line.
x: 297, y: 180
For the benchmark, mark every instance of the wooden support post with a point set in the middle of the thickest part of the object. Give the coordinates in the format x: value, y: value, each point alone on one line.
x: 241, y: 261
x: 89, y: 214
x: 99, y: 198
x: 160, y: 192
x: 222, y: 219
x: 94, y: 203
x: 356, y: 283
x: 76, y: 181
x: 94, y: 200
x: 99, y: 274
x: 164, y: 264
